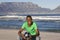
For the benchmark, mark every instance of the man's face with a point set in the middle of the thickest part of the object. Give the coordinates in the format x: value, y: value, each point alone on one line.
x: 29, y: 20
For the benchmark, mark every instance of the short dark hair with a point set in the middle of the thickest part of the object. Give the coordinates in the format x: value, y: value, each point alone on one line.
x: 29, y: 16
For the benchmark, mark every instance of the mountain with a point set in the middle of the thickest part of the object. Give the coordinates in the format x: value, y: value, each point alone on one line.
x: 22, y: 7
x: 56, y: 10
x: 17, y: 7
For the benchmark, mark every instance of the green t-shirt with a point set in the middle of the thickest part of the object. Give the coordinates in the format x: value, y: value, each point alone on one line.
x: 31, y: 29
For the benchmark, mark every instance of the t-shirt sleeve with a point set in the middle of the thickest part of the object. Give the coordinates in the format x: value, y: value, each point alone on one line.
x: 35, y: 26
x: 23, y: 26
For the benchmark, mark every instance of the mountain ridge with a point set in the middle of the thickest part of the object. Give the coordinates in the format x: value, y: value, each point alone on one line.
x: 24, y: 7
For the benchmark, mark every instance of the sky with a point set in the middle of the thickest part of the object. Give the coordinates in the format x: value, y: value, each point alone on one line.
x: 52, y: 4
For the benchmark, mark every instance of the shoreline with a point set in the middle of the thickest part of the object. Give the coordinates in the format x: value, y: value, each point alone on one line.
x: 54, y: 31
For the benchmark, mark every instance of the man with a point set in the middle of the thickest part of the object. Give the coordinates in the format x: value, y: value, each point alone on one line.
x: 30, y: 27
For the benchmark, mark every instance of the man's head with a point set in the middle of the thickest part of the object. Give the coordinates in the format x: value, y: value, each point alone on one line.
x: 29, y: 20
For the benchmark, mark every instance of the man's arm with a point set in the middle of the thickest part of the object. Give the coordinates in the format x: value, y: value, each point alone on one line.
x: 20, y: 30
x: 37, y: 32
x: 20, y: 34
x: 36, y: 29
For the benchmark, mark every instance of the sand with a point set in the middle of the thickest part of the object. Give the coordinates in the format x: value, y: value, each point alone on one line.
x: 10, y: 34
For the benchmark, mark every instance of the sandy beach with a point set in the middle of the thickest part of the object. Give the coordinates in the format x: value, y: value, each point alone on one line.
x: 10, y: 34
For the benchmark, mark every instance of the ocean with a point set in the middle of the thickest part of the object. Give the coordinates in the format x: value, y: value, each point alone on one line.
x: 42, y: 25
